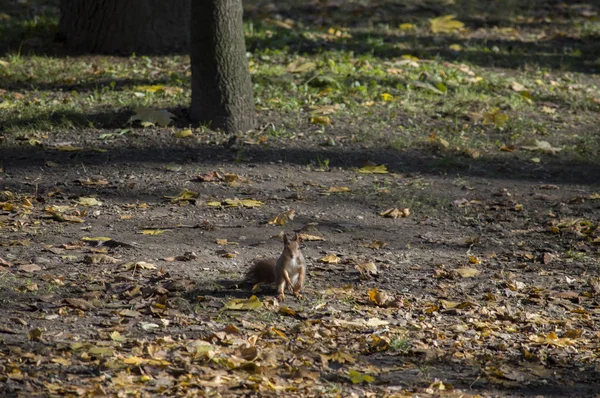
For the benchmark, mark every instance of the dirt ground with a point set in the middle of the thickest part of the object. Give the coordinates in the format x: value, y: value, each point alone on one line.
x: 494, y: 216
x: 122, y: 259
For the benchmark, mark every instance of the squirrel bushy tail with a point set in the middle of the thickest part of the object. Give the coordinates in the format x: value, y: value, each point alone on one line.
x: 262, y: 271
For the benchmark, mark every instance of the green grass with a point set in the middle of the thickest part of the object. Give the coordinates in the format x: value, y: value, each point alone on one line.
x: 383, y: 81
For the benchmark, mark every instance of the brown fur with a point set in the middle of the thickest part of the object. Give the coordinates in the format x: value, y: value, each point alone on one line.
x: 289, y: 270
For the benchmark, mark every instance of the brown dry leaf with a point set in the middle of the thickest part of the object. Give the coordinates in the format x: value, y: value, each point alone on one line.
x: 209, y: 177
x: 366, y: 269
x: 379, y: 297
x: 35, y: 334
x: 395, y: 213
x: 29, y: 268
x: 518, y: 87
x: 330, y: 259
x: 542, y: 146
x: 225, y: 242
x: 338, y: 190
x: 80, y: 304
x: 99, y: 259
x: 377, y: 244
x: 5, y: 263
x: 283, y: 218
x: 305, y: 236
x: 138, y: 265
x: 129, y: 313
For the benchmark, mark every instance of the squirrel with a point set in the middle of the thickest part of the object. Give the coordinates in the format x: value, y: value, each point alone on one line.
x: 289, y: 269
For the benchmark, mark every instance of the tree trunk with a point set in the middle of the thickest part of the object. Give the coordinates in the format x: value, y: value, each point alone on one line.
x: 125, y: 26
x: 221, y: 85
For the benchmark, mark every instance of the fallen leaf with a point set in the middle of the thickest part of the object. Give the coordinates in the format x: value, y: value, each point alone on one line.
x: 330, y: 259
x: 283, y: 218
x: 542, y: 146
x: 374, y: 169
x: 356, y: 377
x: 379, y: 297
x: 320, y: 119
x: 183, y: 133
x: 138, y: 265
x: 153, y: 231
x: 338, y: 189
x: 445, y: 24
x: 366, y: 269
x: 151, y: 117
x: 495, y: 117
x: 395, y: 213
x: 29, y: 268
x: 80, y: 304
x: 88, y: 201
x: 253, y: 303
x: 467, y: 272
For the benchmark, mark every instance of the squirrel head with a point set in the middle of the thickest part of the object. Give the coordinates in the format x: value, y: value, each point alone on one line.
x: 292, y: 245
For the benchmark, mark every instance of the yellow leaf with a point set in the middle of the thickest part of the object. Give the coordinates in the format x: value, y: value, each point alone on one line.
x: 374, y: 169
x: 379, y: 297
x: 495, y: 117
x: 387, y: 97
x: 153, y: 231
x: 184, y: 133
x: 356, y: 377
x: 324, y: 120
x: 150, y: 89
x: 406, y: 26
x: 467, y: 272
x: 338, y: 189
x: 474, y: 260
x: 184, y: 196
x: 133, y: 360
x: 96, y: 239
x: 243, y: 202
x: 445, y: 24
x: 213, y: 204
x: 283, y: 218
x: 299, y: 66
x: 455, y: 47
x: 68, y: 148
x: 395, y: 213
x: 88, y: 201
x: 330, y: 259
x: 253, y: 303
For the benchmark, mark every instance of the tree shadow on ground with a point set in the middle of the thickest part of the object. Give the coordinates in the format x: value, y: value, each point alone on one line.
x: 148, y: 150
x: 556, y: 51
x: 512, y: 375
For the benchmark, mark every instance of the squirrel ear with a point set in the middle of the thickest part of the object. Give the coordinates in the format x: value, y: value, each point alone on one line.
x: 297, y: 238
x: 285, y: 239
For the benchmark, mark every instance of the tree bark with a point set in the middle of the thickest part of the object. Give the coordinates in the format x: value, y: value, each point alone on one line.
x: 125, y: 26
x: 221, y: 84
